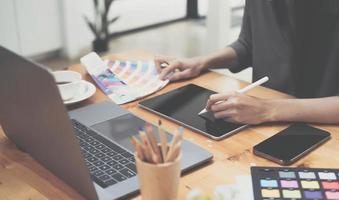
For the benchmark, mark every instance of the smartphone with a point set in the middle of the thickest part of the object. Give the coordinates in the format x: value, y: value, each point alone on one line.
x: 291, y: 144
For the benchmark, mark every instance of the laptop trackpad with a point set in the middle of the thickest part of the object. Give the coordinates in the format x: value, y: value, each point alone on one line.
x: 120, y: 129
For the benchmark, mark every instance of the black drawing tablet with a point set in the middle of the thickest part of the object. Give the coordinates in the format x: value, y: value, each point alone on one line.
x: 182, y: 105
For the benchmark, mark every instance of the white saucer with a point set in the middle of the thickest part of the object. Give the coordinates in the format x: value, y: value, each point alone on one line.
x: 85, y: 93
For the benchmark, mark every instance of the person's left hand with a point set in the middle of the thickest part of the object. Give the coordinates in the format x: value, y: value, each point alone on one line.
x: 239, y: 108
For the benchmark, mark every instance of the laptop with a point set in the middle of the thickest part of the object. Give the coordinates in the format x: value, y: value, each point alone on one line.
x: 88, y: 148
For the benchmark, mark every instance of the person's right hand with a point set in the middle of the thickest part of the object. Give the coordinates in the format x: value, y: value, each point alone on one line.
x: 178, y: 69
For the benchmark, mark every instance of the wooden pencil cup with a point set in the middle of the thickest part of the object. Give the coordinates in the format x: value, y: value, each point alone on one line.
x: 159, y: 181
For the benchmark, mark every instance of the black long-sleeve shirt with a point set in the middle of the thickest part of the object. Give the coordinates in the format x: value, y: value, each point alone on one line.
x: 293, y: 42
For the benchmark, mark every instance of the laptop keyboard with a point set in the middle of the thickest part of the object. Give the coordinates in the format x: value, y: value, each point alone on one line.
x: 107, y: 162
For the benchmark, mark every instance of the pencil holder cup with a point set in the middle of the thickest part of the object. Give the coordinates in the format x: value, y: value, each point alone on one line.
x: 159, y: 181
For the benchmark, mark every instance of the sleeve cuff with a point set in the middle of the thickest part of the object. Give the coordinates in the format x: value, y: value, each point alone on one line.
x: 243, y: 57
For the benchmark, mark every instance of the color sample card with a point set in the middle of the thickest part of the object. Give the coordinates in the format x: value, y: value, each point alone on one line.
x: 113, y: 87
x: 142, y: 76
x: 123, y: 81
x: 273, y: 183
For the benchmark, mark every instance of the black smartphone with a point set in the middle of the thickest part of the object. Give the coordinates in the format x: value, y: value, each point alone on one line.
x: 291, y: 143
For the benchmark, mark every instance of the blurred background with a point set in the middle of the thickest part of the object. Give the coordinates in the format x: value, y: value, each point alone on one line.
x: 57, y: 33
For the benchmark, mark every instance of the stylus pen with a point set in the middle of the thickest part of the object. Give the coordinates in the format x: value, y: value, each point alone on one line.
x: 243, y: 90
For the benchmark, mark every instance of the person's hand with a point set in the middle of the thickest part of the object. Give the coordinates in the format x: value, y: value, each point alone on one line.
x: 178, y: 69
x: 239, y: 108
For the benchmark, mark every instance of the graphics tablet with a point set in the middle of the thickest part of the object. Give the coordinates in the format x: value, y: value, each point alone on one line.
x: 182, y: 105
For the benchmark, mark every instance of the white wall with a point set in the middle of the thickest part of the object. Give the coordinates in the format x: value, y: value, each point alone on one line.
x: 39, y: 26
x: 8, y: 30
x: 33, y: 27
x: 203, y: 7
x: 138, y: 13
x: 219, y: 24
x: 30, y: 27
x: 76, y: 35
x: 133, y: 14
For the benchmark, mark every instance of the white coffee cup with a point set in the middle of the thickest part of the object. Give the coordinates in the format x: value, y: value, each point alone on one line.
x: 69, y: 83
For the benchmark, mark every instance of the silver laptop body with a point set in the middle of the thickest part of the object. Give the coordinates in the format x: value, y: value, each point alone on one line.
x: 34, y: 117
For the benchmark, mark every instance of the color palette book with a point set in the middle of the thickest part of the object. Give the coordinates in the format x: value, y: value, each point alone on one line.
x: 123, y: 81
x: 142, y: 76
x: 273, y: 183
x: 116, y: 89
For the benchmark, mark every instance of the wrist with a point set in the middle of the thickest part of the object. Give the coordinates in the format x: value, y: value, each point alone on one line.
x: 203, y: 63
x: 271, y: 110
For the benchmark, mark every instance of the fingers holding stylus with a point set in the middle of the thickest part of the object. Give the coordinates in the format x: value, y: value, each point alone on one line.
x: 216, y: 99
x: 238, y: 107
x: 244, y: 109
x: 225, y: 114
x: 225, y: 106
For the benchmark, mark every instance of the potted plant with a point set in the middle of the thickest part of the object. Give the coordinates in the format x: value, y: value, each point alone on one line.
x: 100, y: 25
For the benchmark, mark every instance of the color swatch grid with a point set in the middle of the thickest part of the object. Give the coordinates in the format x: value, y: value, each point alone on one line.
x: 295, y: 183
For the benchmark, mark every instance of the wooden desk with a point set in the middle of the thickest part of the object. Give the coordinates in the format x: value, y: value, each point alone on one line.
x: 23, y: 178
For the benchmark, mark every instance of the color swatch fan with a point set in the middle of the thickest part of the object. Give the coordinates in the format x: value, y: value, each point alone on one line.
x: 140, y: 75
x: 123, y: 81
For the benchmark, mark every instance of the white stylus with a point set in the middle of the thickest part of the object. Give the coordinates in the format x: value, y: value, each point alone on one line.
x: 243, y: 90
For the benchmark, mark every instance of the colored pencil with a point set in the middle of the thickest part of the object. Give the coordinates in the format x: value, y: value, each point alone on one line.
x: 176, y: 139
x: 146, y: 146
x: 163, y: 141
x: 153, y: 141
x: 136, y: 143
x: 175, y: 153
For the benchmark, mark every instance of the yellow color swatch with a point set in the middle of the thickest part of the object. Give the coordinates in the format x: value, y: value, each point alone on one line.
x: 270, y: 193
x: 291, y: 194
x: 310, y: 184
